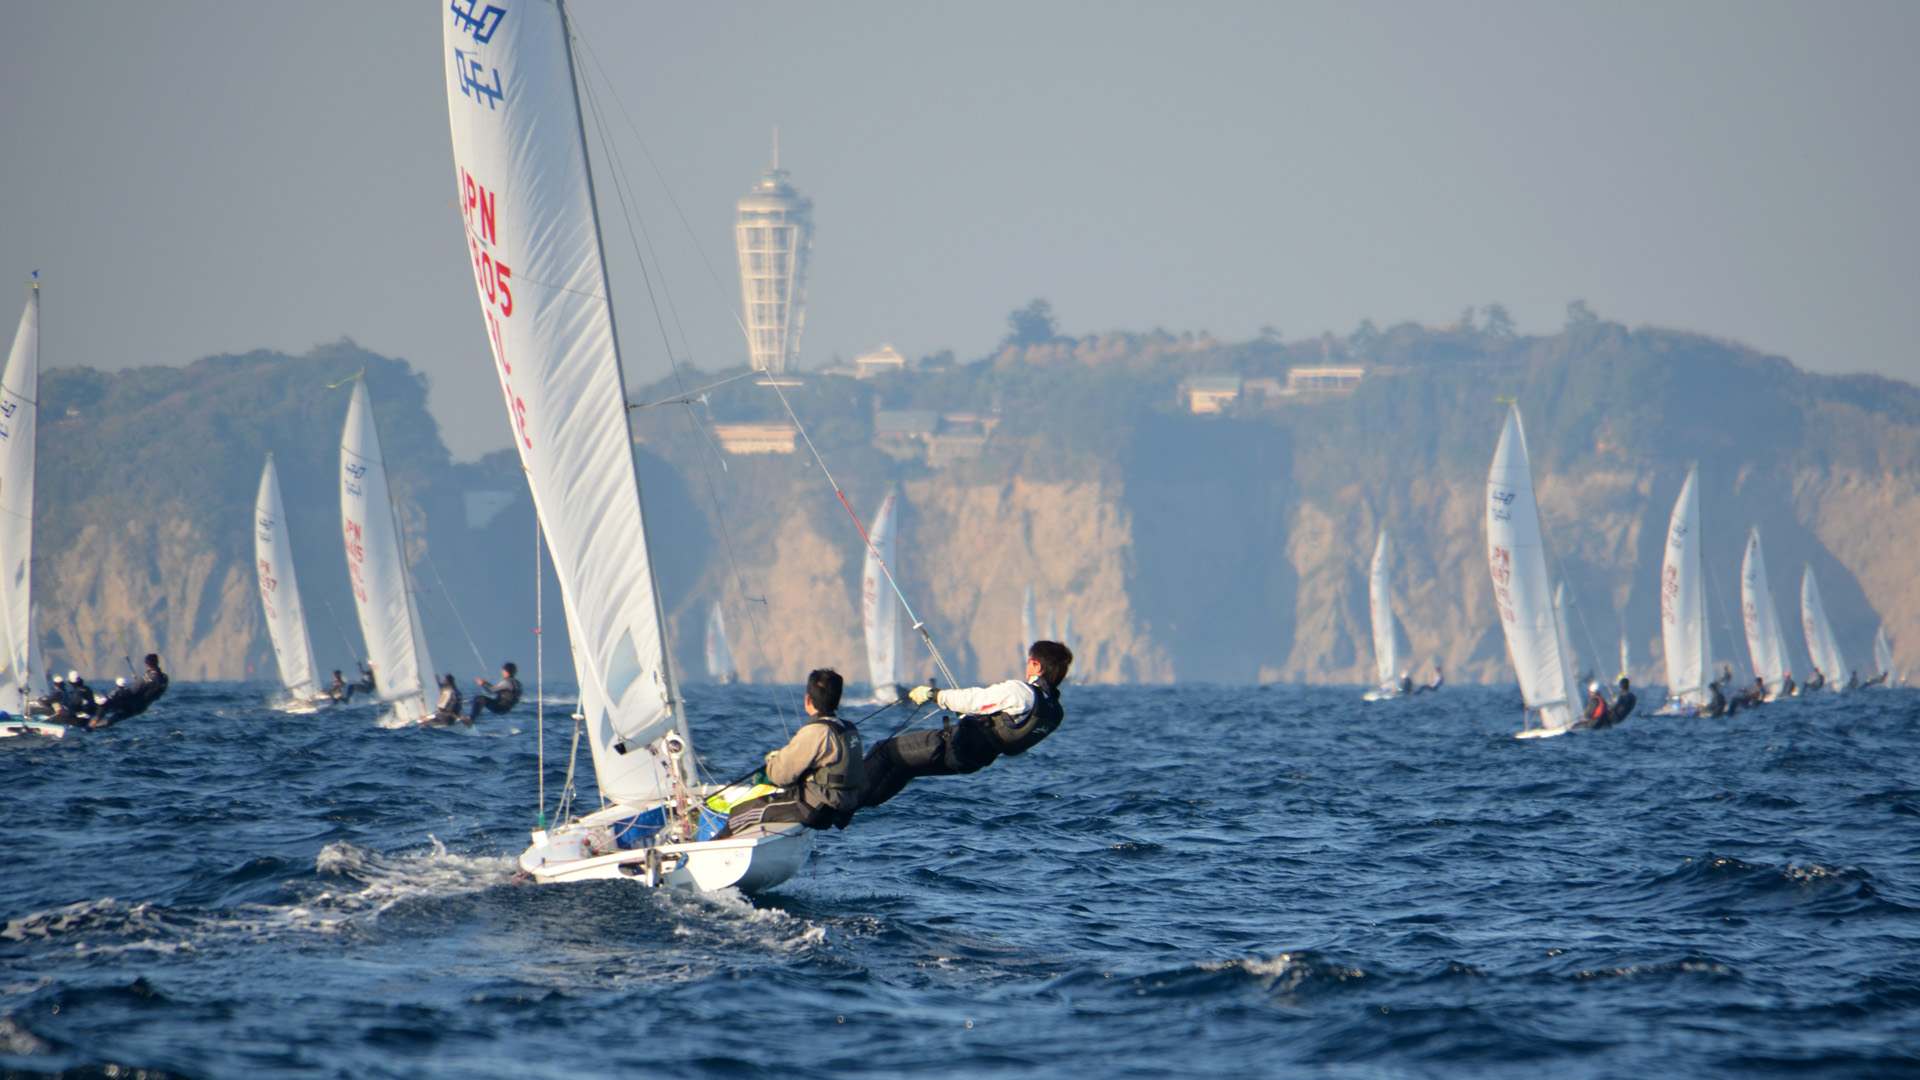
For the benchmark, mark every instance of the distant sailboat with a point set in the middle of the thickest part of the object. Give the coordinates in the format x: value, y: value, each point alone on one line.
x: 1683, y: 602
x: 1517, y: 559
x: 533, y: 235
x: 1386, y: 653
x: 280, y: 595
x: 1765, y: 643
x: 1626, y: 658
x: 377, y: 567
x: 1821, y: 645
x: 19, y: 414
x: 878, y: 613
x: 719, y: 653
x: 1883, y: 657
x: 1029, y: 626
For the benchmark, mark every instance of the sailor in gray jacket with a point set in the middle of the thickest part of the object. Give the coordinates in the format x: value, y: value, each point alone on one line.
x: 820, y: 767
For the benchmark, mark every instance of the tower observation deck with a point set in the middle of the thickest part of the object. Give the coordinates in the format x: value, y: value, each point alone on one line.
x: 773, y: 234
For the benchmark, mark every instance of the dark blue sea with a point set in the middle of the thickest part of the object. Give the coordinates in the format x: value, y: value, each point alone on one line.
x: 1194, y: 880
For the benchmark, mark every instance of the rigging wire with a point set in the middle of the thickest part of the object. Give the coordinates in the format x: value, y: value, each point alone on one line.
x: 447, y: 595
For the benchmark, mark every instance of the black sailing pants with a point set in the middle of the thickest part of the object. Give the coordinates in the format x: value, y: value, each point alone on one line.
x: 948, y: 751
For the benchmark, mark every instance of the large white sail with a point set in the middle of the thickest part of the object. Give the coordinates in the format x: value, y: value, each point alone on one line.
x: 1517, y: 558
x: 1386, y: 658
x: 19, y: 408
x: 1821, y: 646
x: 1683, y: 599
x: 377, y: 568
x: 1882, y: 654
x: 879, y: 613
x: 533, y: 235
x: 1765, y: 643
x: 719, y: 652
x: 279, y: 593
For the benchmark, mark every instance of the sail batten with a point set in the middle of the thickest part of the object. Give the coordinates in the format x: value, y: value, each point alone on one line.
x: 1517, y: 559
x: 1766, y: 644
x: 279, y: 591
x: 19, y: 409
x: 879, y: 615
x: 533, y: 237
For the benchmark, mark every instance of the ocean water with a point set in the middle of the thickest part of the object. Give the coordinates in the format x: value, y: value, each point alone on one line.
x: 1182, y: 881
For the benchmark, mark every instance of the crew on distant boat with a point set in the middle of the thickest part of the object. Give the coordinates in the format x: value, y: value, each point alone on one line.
x: 1623, y: 703
x: 820, y: 768
x: 1877, y: 680
x: 366, y: 685
x: 1006, y: 718
x: 1816, y: 682
x: 1787, y: 687
x: 446, y: 711
x: 496, y: 697
x: 1598, y: 710
x: 338, y: 689
x: 1439, y: 680
x: 1752, y: 695
x: 1853, y: 679
x: 80, y: 699
x: 52, y: 701
x: 1718, y: 705
x: 118, y: 705
x: 1406, y: 683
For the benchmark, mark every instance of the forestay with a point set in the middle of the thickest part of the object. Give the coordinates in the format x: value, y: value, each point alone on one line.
x: 19, y: 408
x: 279, y: 592
x: 1765, y: 642
x: 878, y: 612
x: 377, y: 568
x: 1683, y: 598
x: 534, y: 240
x: 1821, y: 645
x: 1386, y: 659
x: 1517, y: 558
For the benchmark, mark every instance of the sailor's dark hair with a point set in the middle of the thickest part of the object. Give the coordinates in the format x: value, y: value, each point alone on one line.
x: 1624, y: 683
x: 509, y: 668
x: 823, y: 690
x: 1055, y: 659
x: 153, y: 660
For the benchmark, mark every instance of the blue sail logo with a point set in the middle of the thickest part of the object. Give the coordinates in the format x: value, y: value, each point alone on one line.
x: 480, y: 26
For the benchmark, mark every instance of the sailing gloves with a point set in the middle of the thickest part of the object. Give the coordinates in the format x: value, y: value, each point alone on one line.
x: 920, y: 695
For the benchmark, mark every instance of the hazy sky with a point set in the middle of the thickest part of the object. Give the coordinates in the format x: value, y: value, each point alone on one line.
x: 196, y: 178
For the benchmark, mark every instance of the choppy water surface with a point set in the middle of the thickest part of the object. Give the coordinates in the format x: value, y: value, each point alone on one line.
x: 1194, y: 880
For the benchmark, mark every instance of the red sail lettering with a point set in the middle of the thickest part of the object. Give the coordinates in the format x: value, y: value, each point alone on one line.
x: 486, y: 217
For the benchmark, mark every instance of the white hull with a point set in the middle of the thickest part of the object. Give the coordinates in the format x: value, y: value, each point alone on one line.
x: 1540, y: 733
x: 305, y: 708
x: 32, y: 727
x: 759, y: 860
x: 1380, y: 695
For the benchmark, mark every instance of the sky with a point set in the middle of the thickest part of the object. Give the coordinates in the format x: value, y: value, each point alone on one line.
x: 197, y: 178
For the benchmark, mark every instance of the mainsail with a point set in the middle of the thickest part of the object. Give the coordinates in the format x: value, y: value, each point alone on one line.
x: 1821, y: 645
x: 1683, y: 598
x: 279, y: 594
x: 878, y: 612
x: 1517, y: 558
x: 1765, y: 643
x: 533, y: 235
x: 19, y: 406
x: 1386, y: 659
x: 1882, y: 654
x: 377, y: 567
x: 719, y: 653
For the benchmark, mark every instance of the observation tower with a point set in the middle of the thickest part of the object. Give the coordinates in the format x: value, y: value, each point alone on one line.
x: 773, y: 234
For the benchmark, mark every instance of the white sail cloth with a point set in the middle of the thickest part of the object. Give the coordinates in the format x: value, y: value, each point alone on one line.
x: 1683, y: 599
x: 1821, y: 645
x: 719, y: 651
x: 1765, y: 642
x: 279, y: 592
x: 377, y: 568
x: 1517, y: 558
x: 1029, y: 625
x: 1386, y: 658
x: 19, y: 409
x: 1882, y: 654
x: 879, y: 614
x: 533, y: 237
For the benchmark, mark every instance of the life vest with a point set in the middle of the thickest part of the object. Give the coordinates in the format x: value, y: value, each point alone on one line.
x: 840, y: 778
x: 1018, y: 734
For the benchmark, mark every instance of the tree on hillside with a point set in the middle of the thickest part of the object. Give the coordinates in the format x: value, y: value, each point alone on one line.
x: 1466, y: 319
x: 1364, y: 338
x: 1579, y: 315
x: 1499, y: 323
x: 1031, y: 325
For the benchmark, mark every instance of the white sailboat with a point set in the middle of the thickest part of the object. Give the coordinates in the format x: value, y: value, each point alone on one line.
x: 1882, y: 657
x: 1029, y: 625
x: 1517, y: 559
x: 1386, y: 654
x: 719, y: 653
x: 1683, y: 603
x: 526, y: 191
x: 1765, y: 643
x: 19, y: 415
x: 1821, y: 645
x: 280, y: 597
x: 1626, y: 658
x: 878, y: 613
x: 377, y: 567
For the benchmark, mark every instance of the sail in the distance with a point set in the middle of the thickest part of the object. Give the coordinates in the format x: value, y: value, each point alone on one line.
x: 719, y: 652
x: 19, y: 409
x: 1560, y: 627
x: 1683, y: 599
x: 1626, y: 657
x: 1766, y: 645
x: 377, y: 568
x: 1517, y: 559
x: 1821, y: 644
x: 879, y: 615
x: 1029, y: 626
x: 1386, y: 657
x: 1882, y: 655
x: 533, y: 238
x: 279, y: 592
